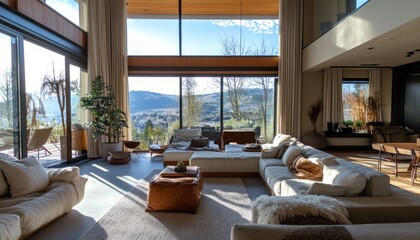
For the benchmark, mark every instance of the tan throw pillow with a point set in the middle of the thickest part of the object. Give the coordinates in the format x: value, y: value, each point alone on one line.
x: 306, y: 169
x: 24, y: 176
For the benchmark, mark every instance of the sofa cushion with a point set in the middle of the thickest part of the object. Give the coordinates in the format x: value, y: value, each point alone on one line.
x: 293, y: 187
x: 290, y: 155
x: 274, y: 175
x: 273, y: 151
x: 24, y: 176
x: 339, y: 176
x: 9, y: 227
x: 4, y: 187
x: 266, y: 162
x: 319, y: 188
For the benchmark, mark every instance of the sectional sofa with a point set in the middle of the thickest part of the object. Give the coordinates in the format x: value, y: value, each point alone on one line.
x: 31, y: 197
x: 376, y: 209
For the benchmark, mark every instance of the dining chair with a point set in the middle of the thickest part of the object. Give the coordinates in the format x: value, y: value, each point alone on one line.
x: 393, y: 158
x: 414, y: 164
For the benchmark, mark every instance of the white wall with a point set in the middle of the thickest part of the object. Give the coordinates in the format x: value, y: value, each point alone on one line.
x: 372, y: 20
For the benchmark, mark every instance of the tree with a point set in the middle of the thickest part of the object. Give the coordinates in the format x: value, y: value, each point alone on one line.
x: 6, y: 94
x: 56, y: 85
x: 34, y: 109
x: 192, y: 105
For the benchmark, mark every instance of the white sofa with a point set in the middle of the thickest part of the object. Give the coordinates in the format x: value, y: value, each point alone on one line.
x: 24, y: 207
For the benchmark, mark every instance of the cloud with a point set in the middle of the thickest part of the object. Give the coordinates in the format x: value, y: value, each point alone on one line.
x: 257, y: 26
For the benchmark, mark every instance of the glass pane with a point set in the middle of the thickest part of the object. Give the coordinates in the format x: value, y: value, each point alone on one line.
x: 201, y: 105
x: 9, y: 114
x: 69, y: 9
x: 248, y: 104
x: 78, y: 80
x: 355, y: 103
x: 154, y: 108
x: 44, y: 74
x: 152, y: 36
x: 230, y: 37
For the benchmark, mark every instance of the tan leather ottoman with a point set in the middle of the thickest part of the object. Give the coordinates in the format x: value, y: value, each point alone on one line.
x: 175, y: 192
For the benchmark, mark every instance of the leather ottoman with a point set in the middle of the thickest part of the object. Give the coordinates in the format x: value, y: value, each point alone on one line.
x: 175, y: 192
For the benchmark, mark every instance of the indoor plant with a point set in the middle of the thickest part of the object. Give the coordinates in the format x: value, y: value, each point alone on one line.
x: 108, y: 120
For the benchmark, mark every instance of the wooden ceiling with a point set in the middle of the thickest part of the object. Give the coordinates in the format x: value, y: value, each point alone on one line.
x: 204, y: 8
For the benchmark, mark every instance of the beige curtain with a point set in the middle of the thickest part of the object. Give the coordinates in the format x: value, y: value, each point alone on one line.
x: 290, y: 77
x: 375, y: 89
x: 107, y: 52
x: 333, y: 99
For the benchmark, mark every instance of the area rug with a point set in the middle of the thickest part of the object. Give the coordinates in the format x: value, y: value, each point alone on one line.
x: 224, y: 203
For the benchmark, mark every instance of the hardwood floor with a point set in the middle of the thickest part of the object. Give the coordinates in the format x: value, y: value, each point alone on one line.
x: 369, y: 158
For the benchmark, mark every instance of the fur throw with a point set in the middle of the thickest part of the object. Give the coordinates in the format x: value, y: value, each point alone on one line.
x: 307, y: 169
x: 277, y: 209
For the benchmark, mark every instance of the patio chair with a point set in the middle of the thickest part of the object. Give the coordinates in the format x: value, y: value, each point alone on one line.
x: 38, y: 139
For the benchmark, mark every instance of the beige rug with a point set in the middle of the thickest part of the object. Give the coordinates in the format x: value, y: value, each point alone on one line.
x: 224, y: 203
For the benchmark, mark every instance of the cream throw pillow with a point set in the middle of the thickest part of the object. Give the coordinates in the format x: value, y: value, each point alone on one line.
x: 67, y: 174
x: 290, y: 155
x: 319, y: 188
x: 4, y: 187
x: 24, y: 176
x: 272, y: 152
x: 339, y: 176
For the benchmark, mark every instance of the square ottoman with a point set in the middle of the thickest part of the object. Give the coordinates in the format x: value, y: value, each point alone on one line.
x: 175, y: 192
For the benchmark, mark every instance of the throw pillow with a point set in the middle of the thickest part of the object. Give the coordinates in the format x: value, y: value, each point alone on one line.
x: 306, y: 169
x: 24, y: 176
x: 183, y: 139
x: 290, y: 155
x: 319, y: 188
x: 67, y: 174
x: 280, y: 138
x: 4, y: 187
x: 339, y: 176
x: 202, y: 142
x: 272, y: 152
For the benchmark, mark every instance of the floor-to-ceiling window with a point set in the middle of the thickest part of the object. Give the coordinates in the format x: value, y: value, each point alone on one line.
x: 212, y: 97
x: 9, y: 93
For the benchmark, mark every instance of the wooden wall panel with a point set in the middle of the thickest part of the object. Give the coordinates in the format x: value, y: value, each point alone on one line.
x: 202, y: 65
x: 54, y: 21
x: 10, y: 3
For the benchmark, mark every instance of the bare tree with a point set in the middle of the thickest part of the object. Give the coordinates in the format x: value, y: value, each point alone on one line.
x: 56, y: 85
x: 6, y: 94
x: 266, y: 84
x: 192, y: 104
x: 34, y: 109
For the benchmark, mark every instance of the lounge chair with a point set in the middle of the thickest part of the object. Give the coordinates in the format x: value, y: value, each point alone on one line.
x: 39, y: 139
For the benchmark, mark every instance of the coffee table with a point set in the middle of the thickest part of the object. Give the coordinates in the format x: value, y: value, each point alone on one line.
x: 170, y: 191
x: 156, y: 149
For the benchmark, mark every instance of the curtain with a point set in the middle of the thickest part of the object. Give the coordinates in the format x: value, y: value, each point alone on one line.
x: 290, y: 77
x: 107, y: 54
x: 375, y: 90
x: 333, y: 99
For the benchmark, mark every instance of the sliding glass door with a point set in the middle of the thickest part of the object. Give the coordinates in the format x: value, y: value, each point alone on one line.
x: 9, y: 96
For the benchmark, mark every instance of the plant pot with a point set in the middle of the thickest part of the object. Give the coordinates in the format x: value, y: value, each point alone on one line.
x: 346, y: 130
x: 315, y: 140
x: 63, y: 147
x: 110, y: 147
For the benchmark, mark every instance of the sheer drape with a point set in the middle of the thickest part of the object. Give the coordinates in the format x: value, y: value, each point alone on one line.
x: 333, y: 99
x: 375, y: 90
x: 107, y: 54
x: 290, y: 79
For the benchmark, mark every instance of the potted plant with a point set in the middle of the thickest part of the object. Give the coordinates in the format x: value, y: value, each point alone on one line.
x: 347, y: 129
x: 108, y: 120
x: 56, y: 85
x: 313, y: 138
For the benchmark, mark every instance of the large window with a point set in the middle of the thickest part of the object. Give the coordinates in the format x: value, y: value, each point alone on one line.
x: 69, y: 9
x: 356, y: 101
x: 154, y: 107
